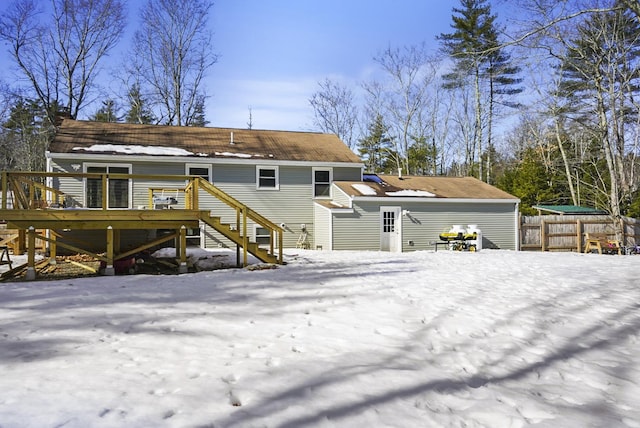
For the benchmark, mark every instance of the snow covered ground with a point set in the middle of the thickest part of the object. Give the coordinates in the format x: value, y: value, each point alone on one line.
x: 332, y: 339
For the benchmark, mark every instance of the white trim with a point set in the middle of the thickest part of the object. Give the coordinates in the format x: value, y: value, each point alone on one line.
x: 390, y: 199
x: 397, y: 224
x: 195, y: 159
x: 336, y: 210
x: 517, y: 226
x: 106, y: 165
x: 255, y: 236
x: 349, y: 197
x: 277, y: 177
x: 209, y: 167
x: 313, y: 182
x: 330, y: 230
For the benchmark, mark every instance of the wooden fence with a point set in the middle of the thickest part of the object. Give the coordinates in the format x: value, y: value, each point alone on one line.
x: 567, y: 232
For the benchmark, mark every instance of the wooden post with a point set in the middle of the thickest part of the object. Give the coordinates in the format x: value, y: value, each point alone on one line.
x: 195, y: 190
x: 245, y: 238
x: 543, y: 235
x: 31, y: 254
x: 579, y: 235
x: 183, y: 250
x: 105, y: 200
x: 116, y: 241
x: 21, y: 242
x: 109, y: 270
x: 237, y: 245
x: 5, y: 189
x: 53, y: 247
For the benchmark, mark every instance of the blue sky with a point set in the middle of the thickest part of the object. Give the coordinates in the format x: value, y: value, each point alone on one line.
x: 273, y: 53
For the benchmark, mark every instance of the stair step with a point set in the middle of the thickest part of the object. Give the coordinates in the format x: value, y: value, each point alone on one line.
x: 234, y: 235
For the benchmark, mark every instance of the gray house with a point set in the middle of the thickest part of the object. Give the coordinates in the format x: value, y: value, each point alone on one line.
x: 310, y: 184
x: 394, y: 213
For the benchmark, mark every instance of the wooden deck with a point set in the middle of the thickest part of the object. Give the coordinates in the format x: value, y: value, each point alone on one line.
x: 29, y: 206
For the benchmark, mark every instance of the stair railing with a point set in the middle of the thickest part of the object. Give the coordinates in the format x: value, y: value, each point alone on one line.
x: 243, y: 213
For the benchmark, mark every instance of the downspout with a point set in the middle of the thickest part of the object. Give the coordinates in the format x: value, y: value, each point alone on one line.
x: 517, y: 226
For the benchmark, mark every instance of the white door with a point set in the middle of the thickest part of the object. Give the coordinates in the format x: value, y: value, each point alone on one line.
x: 390, y: 229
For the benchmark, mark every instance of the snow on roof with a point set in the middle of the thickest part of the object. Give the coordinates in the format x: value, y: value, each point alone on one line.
x: 408, y: 192
x: 135, y: 149
x: 364, y: 189
x: 233, y: 155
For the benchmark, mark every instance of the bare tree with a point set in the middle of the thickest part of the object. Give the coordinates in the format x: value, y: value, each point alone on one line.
x: 595, y: 50
x: 172, y: 52
x: 334, y: 110
x: 410, y: 72
x: 60, y: 56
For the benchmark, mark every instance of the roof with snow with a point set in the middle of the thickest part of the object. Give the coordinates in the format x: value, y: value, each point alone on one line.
x: 422, y: 187
x: 75, y: 136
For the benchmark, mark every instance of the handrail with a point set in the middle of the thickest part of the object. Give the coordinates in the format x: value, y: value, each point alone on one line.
x: 18, y: 179
x: 246, y: 213
x: 234, y: 203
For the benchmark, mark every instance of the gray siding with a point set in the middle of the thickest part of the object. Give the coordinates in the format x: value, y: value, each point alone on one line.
x: 74, y: 187
x: 292, y: 204
x: 424, y: 223
x: 359, y: 230
x: 347, y: 174
x: 340, y: 197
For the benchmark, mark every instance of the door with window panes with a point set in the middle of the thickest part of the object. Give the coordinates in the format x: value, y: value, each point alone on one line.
x: 390, y: 229
x: 118, y: 189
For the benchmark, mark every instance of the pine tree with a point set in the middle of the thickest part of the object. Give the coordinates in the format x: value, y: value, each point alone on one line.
x: 139, y: 111
x: 474, y: 47
x: 106, y: 113
x: 376, y: 148
x: 600, y: 85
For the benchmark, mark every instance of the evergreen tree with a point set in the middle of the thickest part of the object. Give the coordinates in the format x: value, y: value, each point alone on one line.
x: 139, y: 111
x: 530, y: 181
x: 198, y: 118
x: 106, y: 113
x: 376, y: 147
x: 422, y: 157
x: 25, y: 137
x: 475, y: 49
x: 600, y: 85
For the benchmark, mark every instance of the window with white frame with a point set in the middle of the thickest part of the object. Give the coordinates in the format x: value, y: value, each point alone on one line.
x: 203, y: 171
x: 322, y: 178
x: 267, y: 178
x: 118, y: 189
x: 262, y: 236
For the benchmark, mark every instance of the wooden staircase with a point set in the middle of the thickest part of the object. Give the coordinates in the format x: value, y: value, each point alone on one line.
x: 232, y: 233
x: 237, y: 233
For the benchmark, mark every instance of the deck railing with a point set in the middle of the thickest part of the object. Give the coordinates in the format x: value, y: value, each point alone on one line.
x: 28, y: 190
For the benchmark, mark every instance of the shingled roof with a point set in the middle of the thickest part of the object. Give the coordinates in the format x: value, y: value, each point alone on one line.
x: 424, y: 187
x: 76, y: 136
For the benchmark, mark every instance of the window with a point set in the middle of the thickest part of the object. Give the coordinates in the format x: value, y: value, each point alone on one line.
x: 322, y: 183
x: 263, y: 237
x: 267, y: 177
x: 118, y: 189
x: 203, y: 171
x: 388, y: 221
